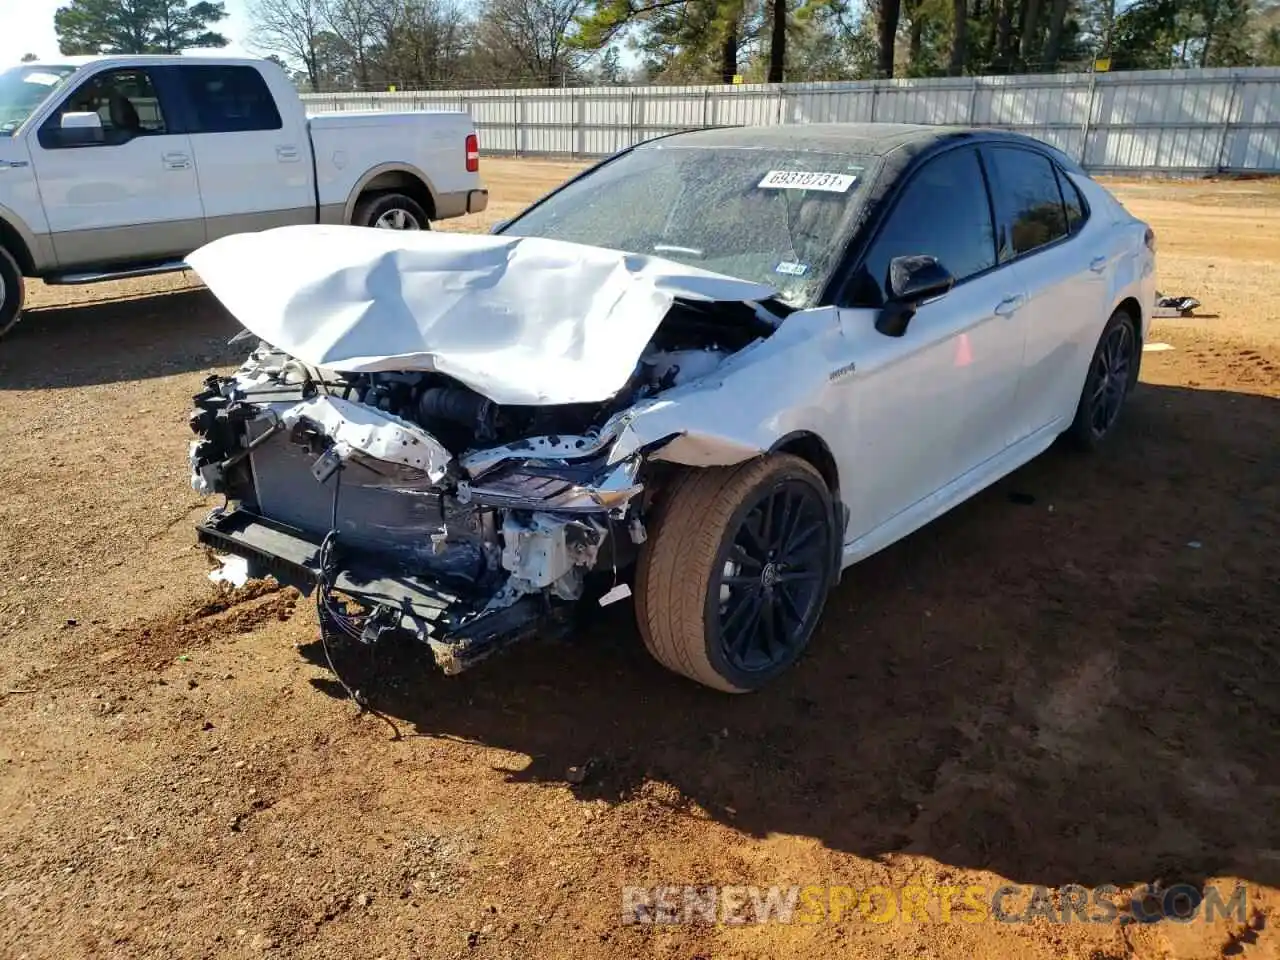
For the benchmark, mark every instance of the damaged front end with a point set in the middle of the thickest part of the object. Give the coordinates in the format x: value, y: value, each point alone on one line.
x: 467, y: 523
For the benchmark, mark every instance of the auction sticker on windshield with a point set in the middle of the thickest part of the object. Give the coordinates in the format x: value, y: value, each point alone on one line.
x: 44, y: 79
x: 807, y: 180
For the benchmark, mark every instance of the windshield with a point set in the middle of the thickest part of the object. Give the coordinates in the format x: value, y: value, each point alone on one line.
x: 777, y: 217
x: 24, y: 88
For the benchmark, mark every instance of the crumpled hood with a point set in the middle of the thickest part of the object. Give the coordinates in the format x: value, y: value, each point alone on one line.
x: 521, y: 320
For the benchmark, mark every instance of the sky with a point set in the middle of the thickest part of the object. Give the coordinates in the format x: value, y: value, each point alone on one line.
x: 28, y: 28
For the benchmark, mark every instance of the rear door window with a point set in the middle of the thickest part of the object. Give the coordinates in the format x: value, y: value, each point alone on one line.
x: 1032, y: 214
x: 1073, y: 202
x: 229, y: 99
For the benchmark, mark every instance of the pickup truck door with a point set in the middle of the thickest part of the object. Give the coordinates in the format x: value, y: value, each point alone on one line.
x: 934, y: 404
x: 127, y: 196
x: 253, y: 156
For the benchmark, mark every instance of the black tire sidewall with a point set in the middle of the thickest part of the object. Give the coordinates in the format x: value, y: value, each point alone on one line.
x: 755, y: 679
x: 11, y: 303
x: 1082, y: 428
x: 367, y: 214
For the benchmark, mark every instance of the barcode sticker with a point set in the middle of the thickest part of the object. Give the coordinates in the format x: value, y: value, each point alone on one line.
x: 807, y: 180
x: 792, y: 269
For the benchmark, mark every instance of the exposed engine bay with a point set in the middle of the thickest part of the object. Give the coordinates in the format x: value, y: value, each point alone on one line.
x: 690, y: 343
x: 464, y: 521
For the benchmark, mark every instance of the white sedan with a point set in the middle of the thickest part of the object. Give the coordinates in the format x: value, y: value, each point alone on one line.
x: 711, y: 371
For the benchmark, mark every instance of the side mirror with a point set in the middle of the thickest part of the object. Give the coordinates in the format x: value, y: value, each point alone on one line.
x: 911, y: 282
x: 499, y: 226
x: 80, y: 128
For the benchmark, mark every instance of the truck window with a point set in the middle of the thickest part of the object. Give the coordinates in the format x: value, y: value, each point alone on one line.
x: 227, y: 99
x: 125, y: 100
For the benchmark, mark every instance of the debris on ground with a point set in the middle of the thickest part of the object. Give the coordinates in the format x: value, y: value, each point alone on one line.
x: 1174, y: 306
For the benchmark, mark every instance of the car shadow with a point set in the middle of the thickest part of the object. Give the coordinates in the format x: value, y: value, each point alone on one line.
x: 110, y: 341
x: 1070, y: 679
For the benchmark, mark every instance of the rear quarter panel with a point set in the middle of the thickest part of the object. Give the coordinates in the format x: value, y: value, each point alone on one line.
x: 1133, y: 274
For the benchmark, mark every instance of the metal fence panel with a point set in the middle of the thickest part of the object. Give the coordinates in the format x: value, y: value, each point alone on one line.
x: 1157, y: 121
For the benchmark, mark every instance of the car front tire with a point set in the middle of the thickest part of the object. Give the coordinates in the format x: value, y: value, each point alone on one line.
x: 12, y: 292
x: 1113, y: 371
x: 735, y: 573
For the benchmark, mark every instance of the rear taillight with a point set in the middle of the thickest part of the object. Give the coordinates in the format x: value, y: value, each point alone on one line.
x: 473, y: 153
x: 1149, y: 238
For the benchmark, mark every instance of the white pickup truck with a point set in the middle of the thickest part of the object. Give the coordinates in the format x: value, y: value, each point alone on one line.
x: 121, y: 166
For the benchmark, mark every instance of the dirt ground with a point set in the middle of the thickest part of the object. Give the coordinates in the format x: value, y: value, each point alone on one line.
x: 1070, y: 679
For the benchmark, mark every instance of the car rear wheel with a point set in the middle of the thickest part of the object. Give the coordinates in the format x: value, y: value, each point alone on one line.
x: 390, y: 211
x: 11, y: 292
x: 1112, y: 373
x: 734, y: 576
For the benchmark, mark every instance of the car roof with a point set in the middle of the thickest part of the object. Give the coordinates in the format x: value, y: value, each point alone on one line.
x: 903, y: 140
x: 866, y: 139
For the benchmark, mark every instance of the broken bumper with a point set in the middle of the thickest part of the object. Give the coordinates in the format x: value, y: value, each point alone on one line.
x: 452, y: 620
x: 346, y: 499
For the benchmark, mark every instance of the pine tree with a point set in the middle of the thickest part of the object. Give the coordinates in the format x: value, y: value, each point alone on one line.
x: 137, y: 26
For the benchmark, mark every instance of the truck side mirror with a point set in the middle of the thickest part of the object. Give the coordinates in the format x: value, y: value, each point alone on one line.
x: 80, y: 129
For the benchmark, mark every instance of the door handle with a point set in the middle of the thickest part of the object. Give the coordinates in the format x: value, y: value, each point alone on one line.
x: 1098, y: 264
x: 286, y: 154
x: 1009, y: 305
x: 176, y: 161
x: 13, y: 164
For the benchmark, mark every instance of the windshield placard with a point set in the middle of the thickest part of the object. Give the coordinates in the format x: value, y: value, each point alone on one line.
x: 807, y: 180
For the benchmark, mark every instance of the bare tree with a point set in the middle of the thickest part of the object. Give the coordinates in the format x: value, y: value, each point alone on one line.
x: 292, y: 29
x: 354, y: 22
x: 420, y: 42
x: 529, y: 39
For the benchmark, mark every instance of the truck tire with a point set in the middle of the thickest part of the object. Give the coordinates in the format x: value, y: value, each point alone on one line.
x: 11, y: 292
x: 733, y: 578
x: 390, y: 211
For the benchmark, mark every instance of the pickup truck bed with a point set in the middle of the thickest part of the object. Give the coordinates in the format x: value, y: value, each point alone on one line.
x: 347, y: 142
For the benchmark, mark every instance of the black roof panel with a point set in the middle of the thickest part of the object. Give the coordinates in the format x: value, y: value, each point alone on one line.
x: 866, y: 139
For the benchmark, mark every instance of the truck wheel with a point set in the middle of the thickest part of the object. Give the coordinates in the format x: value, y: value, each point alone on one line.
x: 11, y: 292
x: 736, y: 570
x: 390, y: 211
